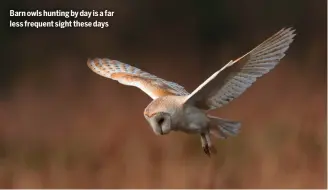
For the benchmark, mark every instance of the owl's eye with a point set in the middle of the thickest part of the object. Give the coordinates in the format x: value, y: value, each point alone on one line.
x: 160, y: 121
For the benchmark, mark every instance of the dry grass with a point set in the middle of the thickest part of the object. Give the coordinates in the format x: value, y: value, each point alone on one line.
x: 73, y: 135
x: 63, y: 126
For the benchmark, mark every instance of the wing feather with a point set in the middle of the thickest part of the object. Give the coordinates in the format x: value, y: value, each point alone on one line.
x: 215, y: 92
x: 128, y: 75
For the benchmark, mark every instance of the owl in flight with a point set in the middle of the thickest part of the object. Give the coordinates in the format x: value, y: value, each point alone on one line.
x: 174, y: 109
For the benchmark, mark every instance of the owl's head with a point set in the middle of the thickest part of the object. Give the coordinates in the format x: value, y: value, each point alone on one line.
x: 160, y: 122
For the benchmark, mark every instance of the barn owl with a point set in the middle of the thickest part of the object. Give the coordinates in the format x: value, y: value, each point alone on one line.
x: 174, y: 109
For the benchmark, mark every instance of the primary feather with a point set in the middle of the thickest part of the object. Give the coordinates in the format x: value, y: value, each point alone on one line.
x: 215, y: 92
x: 126, y: 74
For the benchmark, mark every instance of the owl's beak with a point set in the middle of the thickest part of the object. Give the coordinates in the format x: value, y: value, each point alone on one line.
x: 161, y: 131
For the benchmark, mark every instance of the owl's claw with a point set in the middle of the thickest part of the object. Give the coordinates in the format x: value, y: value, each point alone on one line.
x: 207, y: 150
x: 207, y: 145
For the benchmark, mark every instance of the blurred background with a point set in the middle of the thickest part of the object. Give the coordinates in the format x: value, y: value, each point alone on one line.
x: 63, y: 126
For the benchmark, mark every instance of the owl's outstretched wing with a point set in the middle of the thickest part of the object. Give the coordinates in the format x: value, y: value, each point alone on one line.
x: 126, y: 74
x: 215, y: 92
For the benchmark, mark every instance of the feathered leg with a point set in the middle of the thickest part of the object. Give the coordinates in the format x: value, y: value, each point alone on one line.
x: 207, y: 144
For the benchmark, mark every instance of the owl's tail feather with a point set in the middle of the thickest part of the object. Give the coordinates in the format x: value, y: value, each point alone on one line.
x: 222, y: 128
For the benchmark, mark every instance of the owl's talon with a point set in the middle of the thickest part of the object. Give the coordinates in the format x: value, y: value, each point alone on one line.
x: 207, y: 150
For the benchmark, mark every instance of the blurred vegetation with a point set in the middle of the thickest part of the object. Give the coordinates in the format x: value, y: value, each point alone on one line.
x: 62, y: 126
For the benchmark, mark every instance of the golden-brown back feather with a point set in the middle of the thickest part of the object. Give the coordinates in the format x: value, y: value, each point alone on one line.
x: 126, y: 74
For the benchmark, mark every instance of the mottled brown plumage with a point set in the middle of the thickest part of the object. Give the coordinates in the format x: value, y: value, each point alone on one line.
x: 174, y: 109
